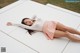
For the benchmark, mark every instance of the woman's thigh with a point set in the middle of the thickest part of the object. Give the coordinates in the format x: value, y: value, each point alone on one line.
x: 61, y: 27
x: 59, y: 33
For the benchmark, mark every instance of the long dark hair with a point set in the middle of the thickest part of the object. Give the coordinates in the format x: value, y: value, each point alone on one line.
x: 29, y: 30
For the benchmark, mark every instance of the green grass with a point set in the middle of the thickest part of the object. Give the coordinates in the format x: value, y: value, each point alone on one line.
x: 4, y: 3
x: 74, y: 6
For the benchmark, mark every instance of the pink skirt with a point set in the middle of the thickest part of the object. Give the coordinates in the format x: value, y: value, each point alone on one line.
x: 49, y: 28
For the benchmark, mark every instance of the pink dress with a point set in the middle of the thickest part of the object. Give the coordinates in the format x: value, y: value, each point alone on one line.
x: 49, y: 28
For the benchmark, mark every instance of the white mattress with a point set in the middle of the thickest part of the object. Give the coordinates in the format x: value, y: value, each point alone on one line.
x: 37, y: 41
x: 13, y: 46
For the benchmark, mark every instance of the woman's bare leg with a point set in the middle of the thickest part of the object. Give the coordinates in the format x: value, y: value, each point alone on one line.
x: 66, y: 28
x: 58, y: 34
x: 73, y: 37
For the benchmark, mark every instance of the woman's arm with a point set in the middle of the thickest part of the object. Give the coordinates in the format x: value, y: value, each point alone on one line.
x: 35, y: 18
x: 19, y: 25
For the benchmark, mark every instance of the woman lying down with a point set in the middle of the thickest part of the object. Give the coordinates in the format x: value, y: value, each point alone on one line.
x: 52, y: 29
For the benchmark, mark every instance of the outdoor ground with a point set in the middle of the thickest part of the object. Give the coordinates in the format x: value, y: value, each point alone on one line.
x: 74, y: 6
x: 6, y: 2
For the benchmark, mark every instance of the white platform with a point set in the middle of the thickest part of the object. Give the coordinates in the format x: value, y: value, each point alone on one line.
x: 72, y: 47
x: 37, y: 41
x: 13, y: 46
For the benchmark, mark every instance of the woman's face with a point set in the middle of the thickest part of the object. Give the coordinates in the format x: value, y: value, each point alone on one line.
x: 28, y: 22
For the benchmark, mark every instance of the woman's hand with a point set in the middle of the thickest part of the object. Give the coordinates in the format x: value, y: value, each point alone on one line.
x: 9, y: 24
x: 34, y: 17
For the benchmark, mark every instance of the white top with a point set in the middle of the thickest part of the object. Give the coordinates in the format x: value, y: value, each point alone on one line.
x: 37, y: 25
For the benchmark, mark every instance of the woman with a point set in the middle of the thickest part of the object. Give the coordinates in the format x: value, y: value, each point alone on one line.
x: 52, y: 29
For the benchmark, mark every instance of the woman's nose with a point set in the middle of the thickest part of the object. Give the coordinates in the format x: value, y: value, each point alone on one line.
x: 29, y: 21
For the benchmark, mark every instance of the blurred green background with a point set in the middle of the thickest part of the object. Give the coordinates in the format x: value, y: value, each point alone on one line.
x: 4, y: 3
x: 73, y: 6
